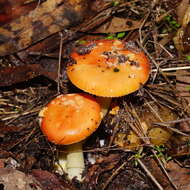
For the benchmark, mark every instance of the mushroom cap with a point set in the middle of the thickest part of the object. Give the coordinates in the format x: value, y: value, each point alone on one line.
x: 108, y: 68
x: 70, y: 118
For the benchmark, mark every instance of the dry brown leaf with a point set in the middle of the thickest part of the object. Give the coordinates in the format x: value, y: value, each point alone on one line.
x: 181, y: 9
x: 159, y: 135
x: 156, y: 171
x: 183, y: 79
x: 182, y: 40
x: 50, y: 181
x: 119, y: 25
x: 50, y: 17
x: 180, y: 176
x: 12, y: 9
x: 179, y: 145
x: 13, y: 75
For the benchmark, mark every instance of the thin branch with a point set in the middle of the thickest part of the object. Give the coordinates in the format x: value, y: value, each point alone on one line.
x: 171, y: 69
x: 59, y: 62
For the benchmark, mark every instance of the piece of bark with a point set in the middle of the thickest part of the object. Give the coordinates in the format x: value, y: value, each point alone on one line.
x: 50, y: 17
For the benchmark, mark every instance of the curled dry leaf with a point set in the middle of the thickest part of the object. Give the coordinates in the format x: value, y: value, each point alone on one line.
x: 181, y: 9
x: 182, y: 40
x: 159, y: 134
x: 103, y: 164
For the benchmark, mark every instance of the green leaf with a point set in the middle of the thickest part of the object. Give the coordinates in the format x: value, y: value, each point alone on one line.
x: 121, y: 35
x: 188, y: 88
x: 115, y: 3
x: 81, y: 42
x: 168, y: 18
x: 177, y: 25
x: 110, y: 37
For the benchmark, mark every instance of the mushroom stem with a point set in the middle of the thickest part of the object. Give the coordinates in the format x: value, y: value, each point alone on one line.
x: 105, y: 104
x: 75, y: 161
x: 71, y: 161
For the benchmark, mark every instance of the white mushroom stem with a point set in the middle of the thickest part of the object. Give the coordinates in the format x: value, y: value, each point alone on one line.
x: 72, y: 162
x: 75, y: 161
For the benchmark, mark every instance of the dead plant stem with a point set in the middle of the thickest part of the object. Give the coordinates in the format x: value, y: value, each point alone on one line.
x: 59, y: 62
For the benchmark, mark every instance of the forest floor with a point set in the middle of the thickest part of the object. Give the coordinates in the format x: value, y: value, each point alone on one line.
x: 143, y: 142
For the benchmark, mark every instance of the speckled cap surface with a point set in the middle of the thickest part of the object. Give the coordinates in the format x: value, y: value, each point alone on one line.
x: 108, y: 68
x: 70, y: 118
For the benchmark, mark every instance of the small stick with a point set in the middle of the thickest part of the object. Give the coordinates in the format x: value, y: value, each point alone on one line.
x: 173, y: 121
x: 59, y: 62
x: 171, y: 69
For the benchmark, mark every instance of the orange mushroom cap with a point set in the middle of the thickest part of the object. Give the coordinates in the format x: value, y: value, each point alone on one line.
x: 108, y: 68
x: 70, y: 118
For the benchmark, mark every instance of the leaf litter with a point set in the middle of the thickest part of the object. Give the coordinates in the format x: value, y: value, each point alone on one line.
x: 143, y: 142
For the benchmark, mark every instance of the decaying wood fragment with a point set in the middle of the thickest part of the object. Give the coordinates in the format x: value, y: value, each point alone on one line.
x: 50, y: 17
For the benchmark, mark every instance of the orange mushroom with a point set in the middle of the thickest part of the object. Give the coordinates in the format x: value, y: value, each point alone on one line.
x: 108, y: 68
x: 69, y: 119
